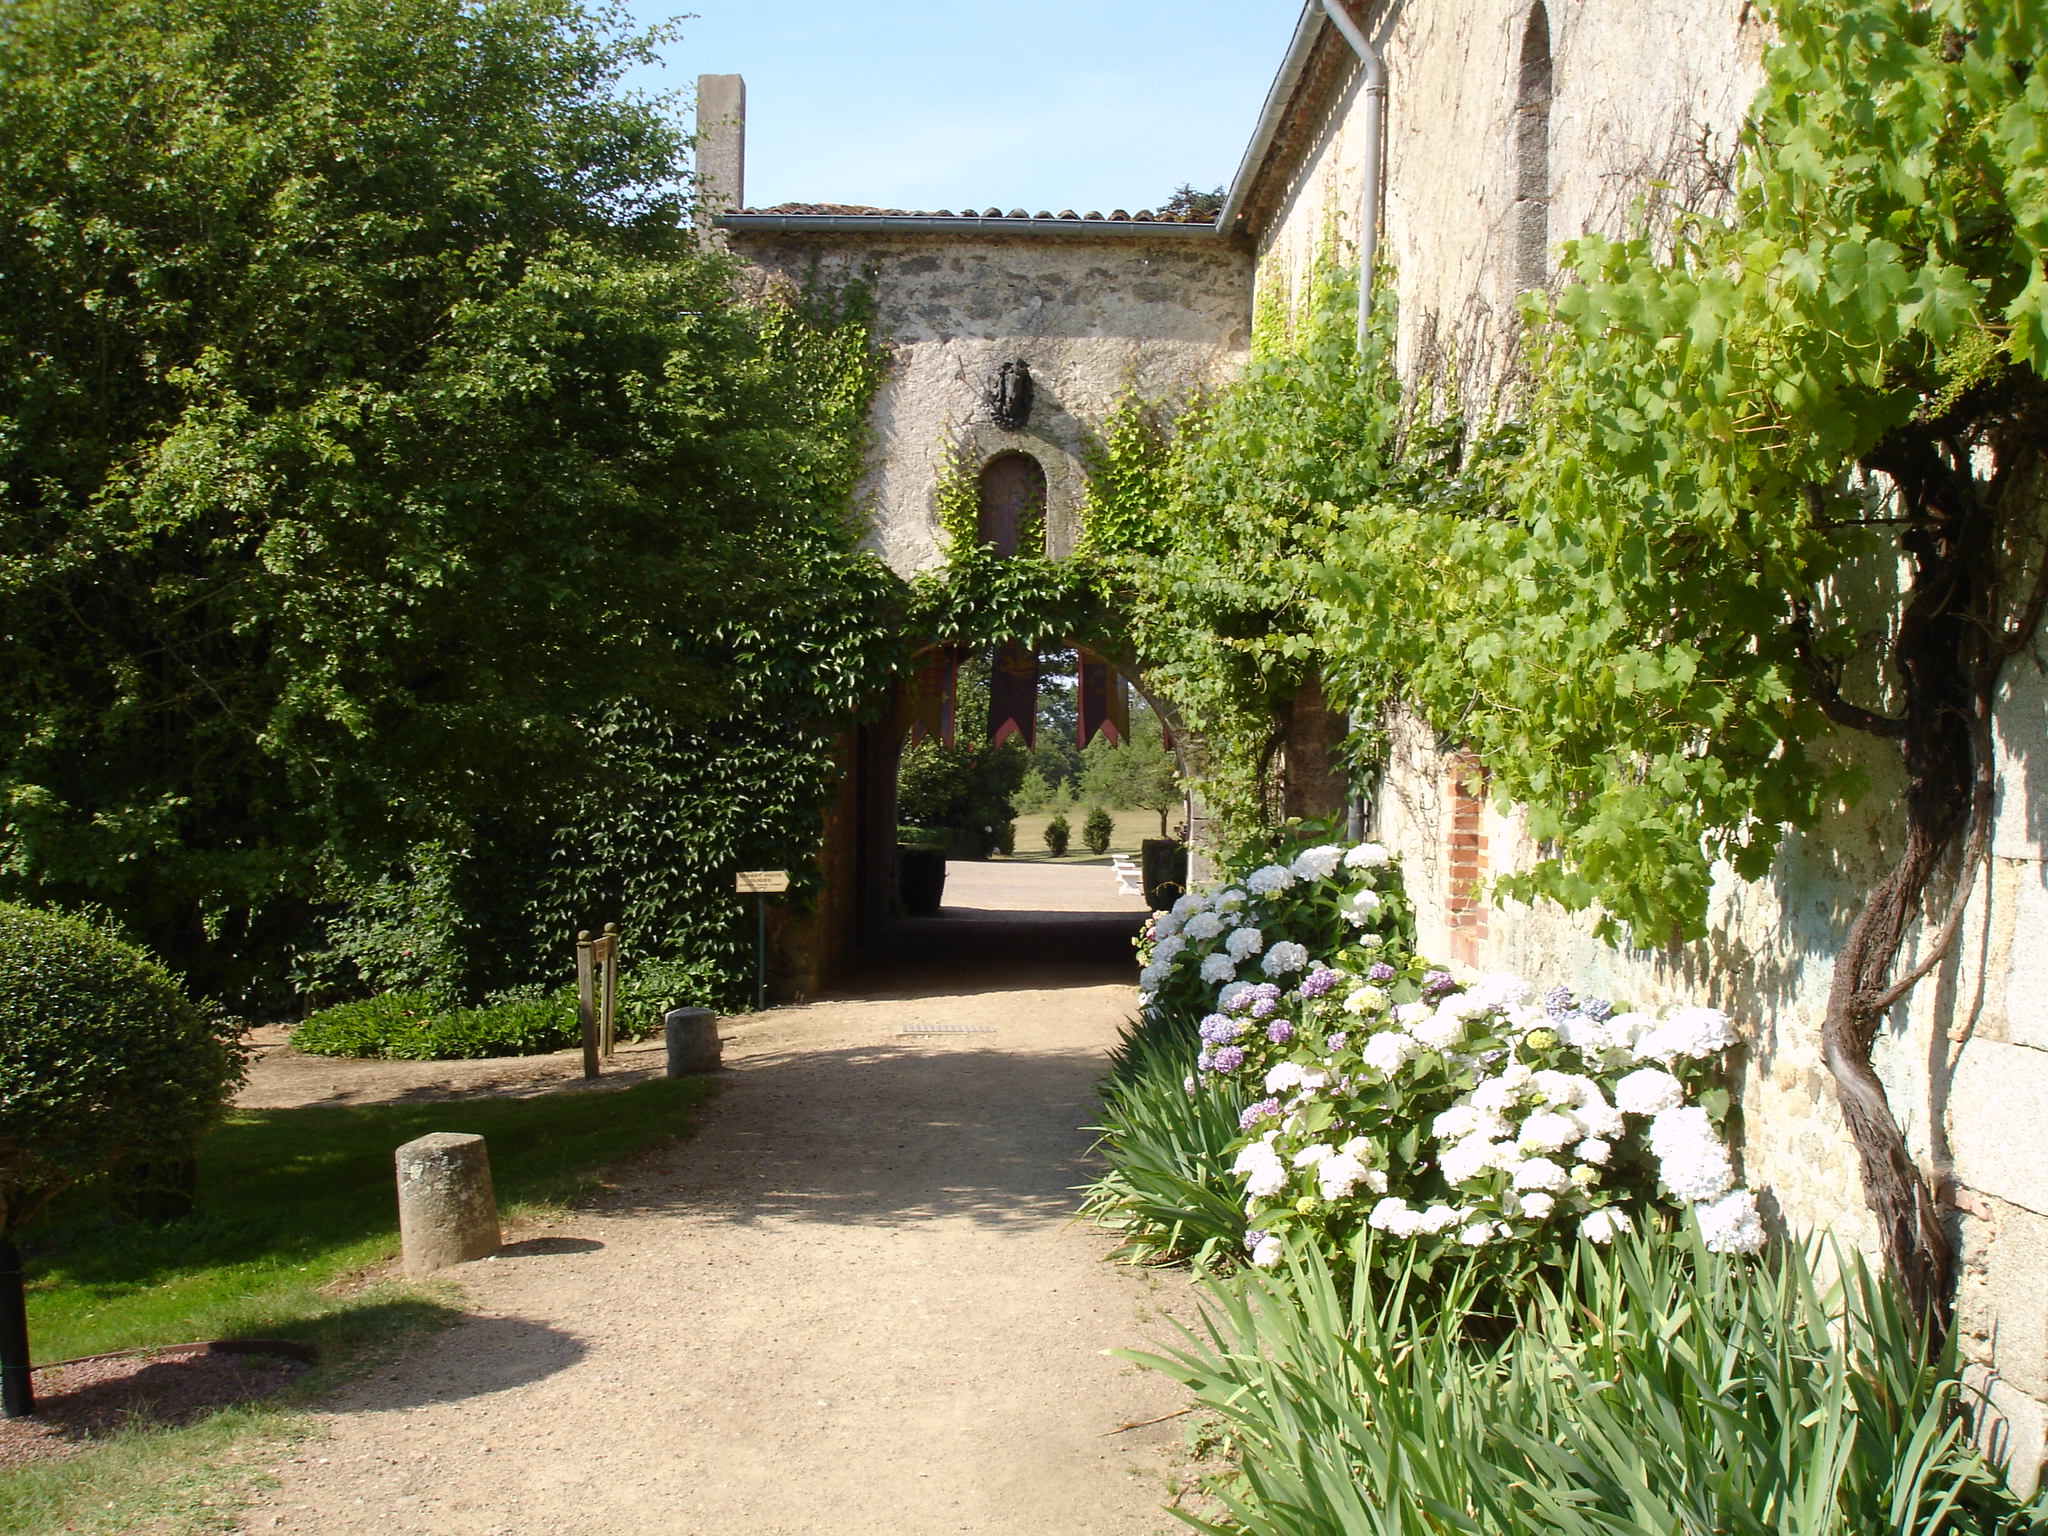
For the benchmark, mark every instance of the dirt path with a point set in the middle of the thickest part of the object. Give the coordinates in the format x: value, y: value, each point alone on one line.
x: 853, y: 1304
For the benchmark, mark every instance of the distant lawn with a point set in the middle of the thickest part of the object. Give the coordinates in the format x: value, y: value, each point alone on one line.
x: 1132, y: 828
x: 292, y: 1200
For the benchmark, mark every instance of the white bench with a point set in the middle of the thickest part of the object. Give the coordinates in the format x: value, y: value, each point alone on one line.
x: 1128, y: 880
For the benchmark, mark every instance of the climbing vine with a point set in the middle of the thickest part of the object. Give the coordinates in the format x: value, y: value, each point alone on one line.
x: 1783, y: 480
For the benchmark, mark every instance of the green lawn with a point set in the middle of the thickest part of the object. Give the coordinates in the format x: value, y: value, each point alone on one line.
x: 1132, y: 828
x: 291, y: 1199
x: 295, y: 1205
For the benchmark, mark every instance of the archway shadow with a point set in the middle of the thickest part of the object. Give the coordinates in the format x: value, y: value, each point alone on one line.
x: 976, y: 949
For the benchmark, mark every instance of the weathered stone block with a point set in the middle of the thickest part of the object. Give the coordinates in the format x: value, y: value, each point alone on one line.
x: 2026, y: 978
x: 2002, y: 1298
x: 1998, y: 1114
x: 2011, y: 1426
x: 692, y: 1038
x: 447, y: 1211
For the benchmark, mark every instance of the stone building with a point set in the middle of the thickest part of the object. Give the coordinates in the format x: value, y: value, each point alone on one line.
x: 1463, y: 142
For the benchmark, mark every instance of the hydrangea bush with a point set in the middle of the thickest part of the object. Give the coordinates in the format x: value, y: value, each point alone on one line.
x: 1456, y: 1112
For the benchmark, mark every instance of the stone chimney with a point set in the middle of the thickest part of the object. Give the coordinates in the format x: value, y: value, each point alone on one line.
x: 721, y: 146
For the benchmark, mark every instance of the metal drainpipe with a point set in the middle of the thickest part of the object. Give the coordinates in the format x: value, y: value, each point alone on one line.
x: 1371, y: 177
x: 1371, y: 173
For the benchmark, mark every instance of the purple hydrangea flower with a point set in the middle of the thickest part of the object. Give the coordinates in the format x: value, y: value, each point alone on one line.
x: 1279, y: 1031
x: 1338, y: 1041
x: 1253, y: 1238
x: 1379, y: 970
x: 1227, y: 1059
x: 1597, y: 1008
x: 1265, y: 1109
x: 1263, y: 1007
x: 1438, y: 981
x: 1557, y: 1002
x: 1217, y: 1029
x: 1319, y: 983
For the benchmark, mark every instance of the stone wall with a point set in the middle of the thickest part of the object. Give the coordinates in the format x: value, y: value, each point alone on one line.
x: 1647, y: 90
x: 1093, y: 316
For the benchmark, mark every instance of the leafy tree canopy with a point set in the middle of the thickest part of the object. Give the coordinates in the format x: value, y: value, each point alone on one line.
x: 368, y: 422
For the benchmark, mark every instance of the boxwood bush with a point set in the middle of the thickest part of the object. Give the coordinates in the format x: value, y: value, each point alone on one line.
x: 416, y: 1025
x: 102, y: 1058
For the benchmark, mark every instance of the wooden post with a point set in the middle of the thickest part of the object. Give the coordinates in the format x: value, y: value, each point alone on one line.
x: 608, y: 991
x: 586, y: 1001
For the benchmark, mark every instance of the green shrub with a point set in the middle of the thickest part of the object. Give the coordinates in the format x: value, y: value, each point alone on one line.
x: 1656, y: 1388
x: 1057, y: 835
x: 102, y: 1057
x: 1098, y: 829
x: 1168, y: 1188
x: 411, y: 1026
x: 1005, y: 836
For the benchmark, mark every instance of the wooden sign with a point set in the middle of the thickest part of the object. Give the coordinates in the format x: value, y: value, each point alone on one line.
x: 761, y: 882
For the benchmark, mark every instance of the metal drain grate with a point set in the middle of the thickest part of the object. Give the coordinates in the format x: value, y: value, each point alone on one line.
x: 947, y: 1029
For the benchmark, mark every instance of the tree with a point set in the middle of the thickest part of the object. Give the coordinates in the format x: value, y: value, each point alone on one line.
x: 372, y: 423
x: 102, y: 1058
x: 1187, y: 203
x: 1140, y: 773
x: 1098, y: 829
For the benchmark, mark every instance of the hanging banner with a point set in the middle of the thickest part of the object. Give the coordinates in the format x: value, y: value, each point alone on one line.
x: 928, y: 700
x: 1013, y: 696
x: 1105, y: 703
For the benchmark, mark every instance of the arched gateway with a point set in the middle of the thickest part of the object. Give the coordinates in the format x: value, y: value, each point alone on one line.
x: 1011, y: 338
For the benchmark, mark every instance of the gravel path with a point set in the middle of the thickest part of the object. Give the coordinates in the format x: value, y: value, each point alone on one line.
x: 853, y: 1304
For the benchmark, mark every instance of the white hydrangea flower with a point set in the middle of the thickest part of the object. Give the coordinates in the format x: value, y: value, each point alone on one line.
x: 1189, y: 904
x: 1541, y: 1173
x: 1468, y: 1158
x: 1168, y: 949
x: 1546, y: 1131
x: 1269, y: 880
x: 1285, y: 958
x: 1731, y: 1224
x: 1605, y: 1225
x: 1479, y: 1234
x: 1152, y: 977
x: 1365, y: 1000
x: 1360, y: 908
x: 1599, y: 1119
x: 1459, y: 1120
x: 1244, y: 943
x: 1316, y: 863
x: 1218, y: 967
x: 1393, y: 1215
x: 1500, y: 989
x: 1368, y: 940
x: 1585, y: 1175
x: 1538, y: 1206
x: 1312, y: 1154
x: 1494, y: 1096
x: 1230, y: 994
x: 1204, y: 926
x: 1695, y: 1033
x: 1188, y: 1085
x: 1593, y: 1150
x: 1367, y: 856
x: 1338, y: 1176
x: 1408, y: 1015
x: 1437, y: 1218
x: 1165, y: 925
x: 1439, y: 1031
x: 1625, y: 1029
x: 1566, y: 1088
x: 1388, y: 1052
x: 1648, y: 1091
x: 1269, y: 1252
x: 1229, y: 899
x: 1691, y: 1161
x: 1261, y: 1169
x: 1285, y: 1075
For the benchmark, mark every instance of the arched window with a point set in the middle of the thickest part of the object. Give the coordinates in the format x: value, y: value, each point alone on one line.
x: 1012, y: 511
x: 1531, y: 224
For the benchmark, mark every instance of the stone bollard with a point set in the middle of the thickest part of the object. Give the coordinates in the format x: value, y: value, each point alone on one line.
x: 692, y: 1037
x: 446, y: 1210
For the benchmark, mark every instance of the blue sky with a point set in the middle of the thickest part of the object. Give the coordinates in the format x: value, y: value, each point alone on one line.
x: 1034, y: 103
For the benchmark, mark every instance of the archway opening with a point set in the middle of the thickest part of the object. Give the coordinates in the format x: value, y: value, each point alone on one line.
x: 1010, y: 514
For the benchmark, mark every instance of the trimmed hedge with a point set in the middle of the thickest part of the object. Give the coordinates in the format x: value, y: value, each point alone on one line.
x: 102, y: 1057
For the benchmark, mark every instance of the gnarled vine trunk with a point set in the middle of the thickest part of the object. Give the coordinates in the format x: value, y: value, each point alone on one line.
x: 1979, y: 580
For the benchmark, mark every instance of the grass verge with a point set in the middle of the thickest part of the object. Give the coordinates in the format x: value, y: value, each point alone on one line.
x: 294, y: 1205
